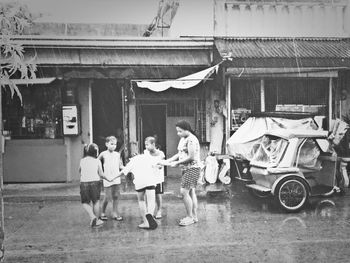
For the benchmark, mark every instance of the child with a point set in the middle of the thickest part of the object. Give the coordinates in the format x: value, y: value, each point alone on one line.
x: 145, y: 179
x: 91, y: 171
x: 111, y: 163
x: 151, y: 149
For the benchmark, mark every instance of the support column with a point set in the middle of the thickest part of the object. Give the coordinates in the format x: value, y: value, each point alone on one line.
x: 330, y: 98
x: 228, y: 109
x: 91, y: 138
x: 262, y: 95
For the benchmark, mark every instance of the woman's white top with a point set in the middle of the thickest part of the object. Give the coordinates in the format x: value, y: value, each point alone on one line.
x: 184, y: 145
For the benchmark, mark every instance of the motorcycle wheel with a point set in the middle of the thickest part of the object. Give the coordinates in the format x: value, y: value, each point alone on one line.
x: 291, y: 194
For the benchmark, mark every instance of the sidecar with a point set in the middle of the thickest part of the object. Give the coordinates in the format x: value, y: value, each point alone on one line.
x: 292, y: 165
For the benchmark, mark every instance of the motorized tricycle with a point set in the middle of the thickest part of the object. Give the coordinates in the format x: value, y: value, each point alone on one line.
x: 289, y: 164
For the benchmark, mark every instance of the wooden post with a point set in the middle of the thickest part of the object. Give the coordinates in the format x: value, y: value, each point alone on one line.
x: 125, y: 120
x: 262, y: 95
x: 91, y: 138
x: 2, y: 146
x: 330, y: 90
x: 228, y: 108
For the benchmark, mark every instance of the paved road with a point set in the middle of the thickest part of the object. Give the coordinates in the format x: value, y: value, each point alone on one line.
x: 233, y: 228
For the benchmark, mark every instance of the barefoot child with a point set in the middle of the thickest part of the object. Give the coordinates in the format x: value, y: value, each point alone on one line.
x: 111, y: 163
x: 91, y: 172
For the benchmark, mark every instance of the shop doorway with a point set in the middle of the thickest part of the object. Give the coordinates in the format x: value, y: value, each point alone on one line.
x: 153, y: 122
x: 107, y: 113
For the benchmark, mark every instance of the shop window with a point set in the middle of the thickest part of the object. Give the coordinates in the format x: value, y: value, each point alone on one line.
x: 246, y: 95
x: 37, y: 117
x: 307, y: 92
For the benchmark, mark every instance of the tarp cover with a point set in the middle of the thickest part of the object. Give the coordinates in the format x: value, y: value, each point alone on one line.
x: 241, y: 143
x: 181, y: 83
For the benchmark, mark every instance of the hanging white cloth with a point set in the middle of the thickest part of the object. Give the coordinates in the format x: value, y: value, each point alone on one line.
x: 180, y: 83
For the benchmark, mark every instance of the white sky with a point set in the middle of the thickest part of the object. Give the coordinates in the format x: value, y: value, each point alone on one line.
x: 93, y: 11
x: 194, y: 17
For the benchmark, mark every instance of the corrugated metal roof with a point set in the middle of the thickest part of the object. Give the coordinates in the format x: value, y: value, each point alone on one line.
x: 113, y: 43
x: 109, y: 51
x: 324, y: 48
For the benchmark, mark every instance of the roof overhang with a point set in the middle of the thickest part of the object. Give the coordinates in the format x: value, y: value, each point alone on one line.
x: 117, y: 52
x: 28, y: 81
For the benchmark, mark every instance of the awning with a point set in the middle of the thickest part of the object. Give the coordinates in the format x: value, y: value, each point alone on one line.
x: 28, y: 81
x: 284, y: 52
x: 180, y: 83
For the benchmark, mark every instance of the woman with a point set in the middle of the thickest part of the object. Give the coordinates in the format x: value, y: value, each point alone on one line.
x: 188, y: 158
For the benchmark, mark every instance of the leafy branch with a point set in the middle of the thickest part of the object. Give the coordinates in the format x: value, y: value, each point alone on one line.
x: 13, y: 20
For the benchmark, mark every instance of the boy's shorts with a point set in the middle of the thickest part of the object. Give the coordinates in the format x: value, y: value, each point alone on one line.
x: 160, y: 188
x: 90, y: 192
x: 152, y: 187
x: 112, y: 192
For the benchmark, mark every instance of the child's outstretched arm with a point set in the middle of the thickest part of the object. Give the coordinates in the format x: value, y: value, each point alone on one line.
x: 169, y: 161
x: 101, y: 173
x: 119, y: 175
x: 173, y: 158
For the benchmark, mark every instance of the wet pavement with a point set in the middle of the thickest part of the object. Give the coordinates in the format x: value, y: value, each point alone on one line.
x: 35, y: 192
x: 232, y: 227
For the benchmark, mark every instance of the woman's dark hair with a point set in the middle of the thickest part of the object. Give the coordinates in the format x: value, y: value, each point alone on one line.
x: 185, y: 125
x: 90, y: 150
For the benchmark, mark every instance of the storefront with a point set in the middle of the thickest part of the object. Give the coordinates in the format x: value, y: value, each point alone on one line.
x: 282, y: 74
x: 88, y: 94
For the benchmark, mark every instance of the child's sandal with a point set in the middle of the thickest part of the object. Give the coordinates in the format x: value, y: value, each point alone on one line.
x: 186, y: 221
x: 103, y: 217
x: 152, y: 223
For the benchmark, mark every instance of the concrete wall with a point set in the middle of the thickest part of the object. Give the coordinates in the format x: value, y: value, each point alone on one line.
x: 81, y: 29
x: 35, y: 161
x: 281, y: 18
x: 347, y: 19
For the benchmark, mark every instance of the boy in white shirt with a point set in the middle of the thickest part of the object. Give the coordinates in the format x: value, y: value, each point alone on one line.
x: 145, y: 180
x: 111, y: 164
